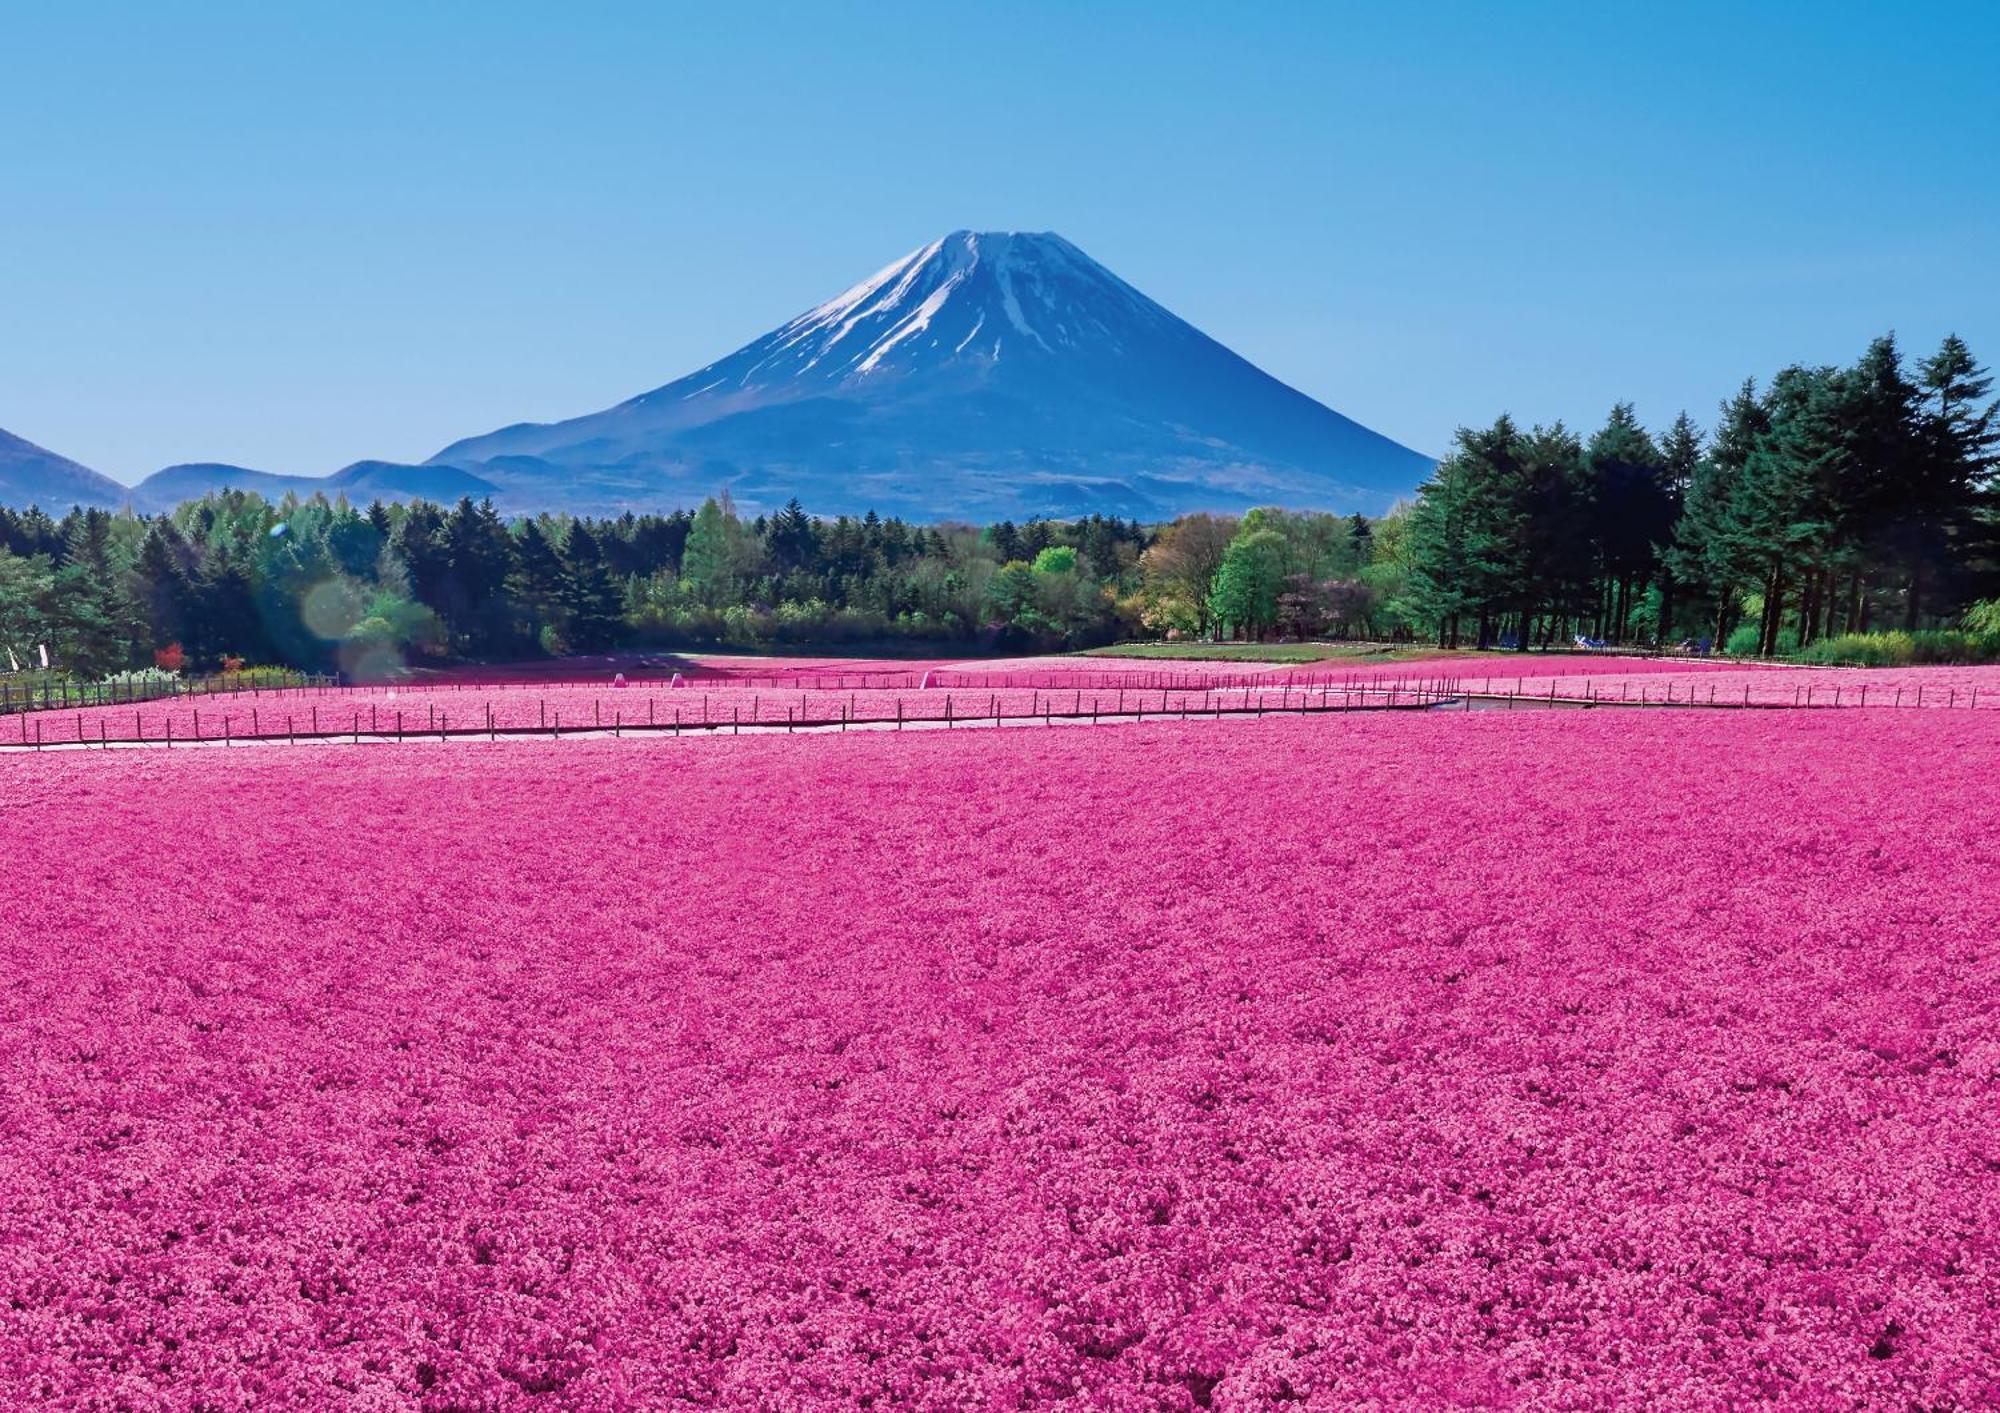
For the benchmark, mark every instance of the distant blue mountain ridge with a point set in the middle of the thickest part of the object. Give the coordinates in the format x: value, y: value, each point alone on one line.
x: 33, y: 475
x: 362, y: 482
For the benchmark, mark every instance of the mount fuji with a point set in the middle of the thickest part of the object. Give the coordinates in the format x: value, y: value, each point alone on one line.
x: 986, y: 375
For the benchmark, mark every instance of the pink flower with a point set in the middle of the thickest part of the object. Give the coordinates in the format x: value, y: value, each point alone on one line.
x: 1556, y: 1059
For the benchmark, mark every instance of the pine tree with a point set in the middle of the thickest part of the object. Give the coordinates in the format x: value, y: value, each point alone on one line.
x: 355, y: 542
x: 1880, y: 495
x: 226, y: 620
x: 1100, y: 546
x: 1552, y: 513
x: 1709, y: 548
x: 418, y: 540
x: 1960, y: 438
x: 536, y: 586
x: 1495, y: 501
x: 479, y: 554
x: 166, y: 585
x: 91, y: 617
x: 789, y: 538
x: 1632, y: 513
x: 1359, y: 534
x: 1787, y: 510
x: 1439, y: 587
x: 595, y: 603
x: 1681, y: 460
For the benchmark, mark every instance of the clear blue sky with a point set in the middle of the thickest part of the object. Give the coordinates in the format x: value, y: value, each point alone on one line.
x: 291, y: 236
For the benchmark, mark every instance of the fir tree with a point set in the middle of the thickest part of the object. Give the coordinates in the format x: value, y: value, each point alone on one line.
x: 536, y: 585
x: 592, y: 598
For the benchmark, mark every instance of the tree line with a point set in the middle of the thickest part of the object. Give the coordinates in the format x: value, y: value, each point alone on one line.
x: 324, y: 584
x: 1830, y: 501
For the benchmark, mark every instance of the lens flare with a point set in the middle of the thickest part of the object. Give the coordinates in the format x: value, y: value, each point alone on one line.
x: 331, y: 608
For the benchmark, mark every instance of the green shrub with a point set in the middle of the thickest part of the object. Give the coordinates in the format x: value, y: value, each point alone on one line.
x: 1899, y: 649
x: 1743, y: 641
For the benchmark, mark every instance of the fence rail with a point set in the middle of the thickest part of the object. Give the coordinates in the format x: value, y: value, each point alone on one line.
x: 66, y: 696
x: 947, y: 710
x: 620, y: 712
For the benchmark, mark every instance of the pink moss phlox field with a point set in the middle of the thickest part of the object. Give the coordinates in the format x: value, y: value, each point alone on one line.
x: 520, y: 706
x: 1541, y: 670
x: 1501, y: 667
x: 1777, y: 685
x: 1534, y: 1059
x: 413, y: 710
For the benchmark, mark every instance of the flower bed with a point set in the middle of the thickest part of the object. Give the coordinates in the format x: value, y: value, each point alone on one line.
x: 1566, y: 1059
x: 423, y: 710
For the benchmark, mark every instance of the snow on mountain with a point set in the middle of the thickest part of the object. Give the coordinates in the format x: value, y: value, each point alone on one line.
x: 982, y: 376
x: 985, y: 374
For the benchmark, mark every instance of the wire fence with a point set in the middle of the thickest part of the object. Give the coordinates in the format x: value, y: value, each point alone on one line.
x: 52, y: 693
x: 692, y: 712
x: 57, y: 694
x: 517, y: 713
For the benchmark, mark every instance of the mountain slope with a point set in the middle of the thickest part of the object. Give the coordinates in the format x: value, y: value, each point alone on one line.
x: 361, y: 482
x: 191, y: 480
x: 33, y: 475
x: 980, y: 376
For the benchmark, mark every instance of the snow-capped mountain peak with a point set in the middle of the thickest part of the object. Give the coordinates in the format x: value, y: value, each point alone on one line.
x: 983, y: 373
x: 971, y: 296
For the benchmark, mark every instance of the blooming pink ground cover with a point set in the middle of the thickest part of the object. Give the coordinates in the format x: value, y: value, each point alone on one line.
x: 1612, y: 677
x: 521, y: 707
x: 1503, y: 666
x: 1771, y: 685
x: 1544, y: 1059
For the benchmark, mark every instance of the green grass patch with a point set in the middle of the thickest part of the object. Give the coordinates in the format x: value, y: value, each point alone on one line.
x: 1902, y: 649
x: 1268, y: 652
